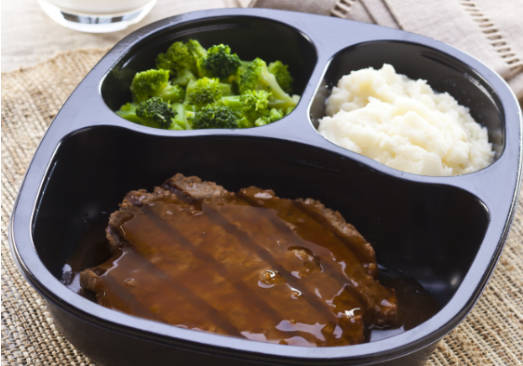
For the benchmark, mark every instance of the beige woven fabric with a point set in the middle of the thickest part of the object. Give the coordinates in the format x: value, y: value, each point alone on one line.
x: 491, y: 335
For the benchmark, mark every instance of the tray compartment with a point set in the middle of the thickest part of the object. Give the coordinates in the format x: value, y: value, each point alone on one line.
x: 249, y: 37
x: 442, y: 72
x: 407, y: 222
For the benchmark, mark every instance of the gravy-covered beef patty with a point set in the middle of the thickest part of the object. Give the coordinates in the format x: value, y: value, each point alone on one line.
x: 246, y: 264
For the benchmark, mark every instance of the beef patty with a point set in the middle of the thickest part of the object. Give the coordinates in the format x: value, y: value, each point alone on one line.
x: 246, y: 264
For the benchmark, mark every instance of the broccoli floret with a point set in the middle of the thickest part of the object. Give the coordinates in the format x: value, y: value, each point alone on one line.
x: 220, y: 62
x: 183, y: 78
x: 183, y: 57
x: 199, y: 55
x: 205, y: 91
x: 178, y: 57
x: 282, y: 74
x: 272, y: 115
x: 148, y: 83
x: 128, y: 111
x: 255, y: 75
x: 251, y: 105
x: 215, y: 117
x: 173, y: 93
x: 155, y: 112
x: 155, y: 83
x: 183, y: 118
x: 276, y: 114
x: 256, y: 102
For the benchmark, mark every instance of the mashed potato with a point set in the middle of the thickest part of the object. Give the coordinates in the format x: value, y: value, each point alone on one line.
x: 404, y: 124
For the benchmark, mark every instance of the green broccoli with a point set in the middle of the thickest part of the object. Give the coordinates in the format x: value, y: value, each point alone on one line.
x: 183, y: 118
x: 256, y: 103
x: 272, y: 115
x: 205, y: 91
x: 182, y: 58
x: 215, y: 117
x: 251, y: 105
x: 155, y: 112
x: 282, y: 74
x: 128, y: 111
x: 193, y: 87
x: 254, y: 75
x: 198, y: 54
x: 155, y: 83
x: 178, y: 57
x: 183, y: 78
x: 220, y: 62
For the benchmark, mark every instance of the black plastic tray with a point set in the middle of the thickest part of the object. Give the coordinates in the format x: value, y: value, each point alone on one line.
x: 446, y: 232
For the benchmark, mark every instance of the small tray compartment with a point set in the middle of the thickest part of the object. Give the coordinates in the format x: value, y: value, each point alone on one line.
x: 443, y: 73
x: 249, y: 37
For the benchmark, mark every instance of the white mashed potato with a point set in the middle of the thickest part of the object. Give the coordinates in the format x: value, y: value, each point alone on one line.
x: 404, y: 124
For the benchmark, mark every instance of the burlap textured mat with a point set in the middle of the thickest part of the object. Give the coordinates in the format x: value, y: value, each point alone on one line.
x: 492, y: 333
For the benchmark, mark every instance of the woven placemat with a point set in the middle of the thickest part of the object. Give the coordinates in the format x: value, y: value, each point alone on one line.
x: 492, y: 333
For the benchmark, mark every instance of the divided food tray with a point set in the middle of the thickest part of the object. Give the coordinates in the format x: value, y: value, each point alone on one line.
x: 445, y: 232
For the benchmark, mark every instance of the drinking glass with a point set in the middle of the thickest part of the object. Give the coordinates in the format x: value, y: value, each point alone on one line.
x: 96, y: 16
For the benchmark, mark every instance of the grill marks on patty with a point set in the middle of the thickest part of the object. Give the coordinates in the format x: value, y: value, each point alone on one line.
x: 247, y: 264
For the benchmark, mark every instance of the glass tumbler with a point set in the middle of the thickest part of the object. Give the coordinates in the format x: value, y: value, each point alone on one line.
x: 96, y: 16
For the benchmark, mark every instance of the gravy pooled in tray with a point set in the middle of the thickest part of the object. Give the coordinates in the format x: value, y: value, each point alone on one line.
x: 245, y: 264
